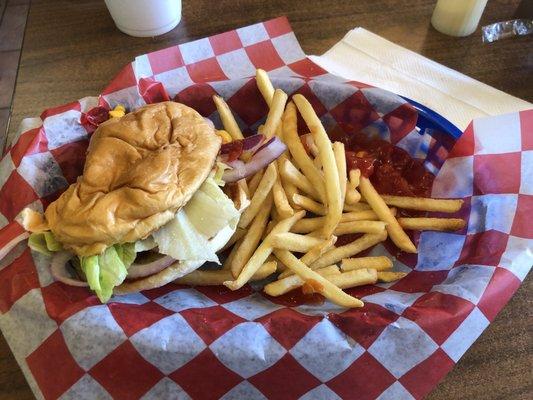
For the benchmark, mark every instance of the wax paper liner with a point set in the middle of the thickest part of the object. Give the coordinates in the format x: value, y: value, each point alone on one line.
x: 209, y: 342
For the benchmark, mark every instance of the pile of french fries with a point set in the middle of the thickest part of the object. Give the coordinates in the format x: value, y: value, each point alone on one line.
x: 316, y: 181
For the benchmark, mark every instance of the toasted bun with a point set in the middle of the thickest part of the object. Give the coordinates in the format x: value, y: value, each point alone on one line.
x: 140, y: 170
x: 180, y: 268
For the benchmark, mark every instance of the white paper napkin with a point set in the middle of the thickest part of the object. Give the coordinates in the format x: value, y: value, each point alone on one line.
x: 366, y: 57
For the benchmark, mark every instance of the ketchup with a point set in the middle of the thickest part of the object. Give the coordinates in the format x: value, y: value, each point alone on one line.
x: 390, y: 169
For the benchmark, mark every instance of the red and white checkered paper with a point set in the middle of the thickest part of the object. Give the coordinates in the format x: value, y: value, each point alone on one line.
x: 208, y: 342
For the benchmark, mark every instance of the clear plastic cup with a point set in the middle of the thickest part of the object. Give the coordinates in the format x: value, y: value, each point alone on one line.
x: 144, y: 18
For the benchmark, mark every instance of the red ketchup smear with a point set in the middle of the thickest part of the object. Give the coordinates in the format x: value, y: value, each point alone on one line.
x: 94, y: 117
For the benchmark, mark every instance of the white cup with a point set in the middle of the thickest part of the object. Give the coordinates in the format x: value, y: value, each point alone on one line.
x: 144, y: 18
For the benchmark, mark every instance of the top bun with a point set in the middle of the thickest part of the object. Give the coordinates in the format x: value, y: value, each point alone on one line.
x: 140, y: 170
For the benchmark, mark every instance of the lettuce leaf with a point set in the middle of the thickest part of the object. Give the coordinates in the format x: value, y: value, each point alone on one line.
x: 220, y: 167
x: 210, y: 209
x: 44, y: 243
x: 180, y: 239
x: 109, y: 269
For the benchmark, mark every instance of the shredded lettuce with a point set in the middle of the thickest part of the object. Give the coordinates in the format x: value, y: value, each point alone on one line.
x: 181, y: 240
x: 220, y: 167
x: 145, y: 244
x: 108, y: 269
x: 210, y: 209
x: 44, y: 243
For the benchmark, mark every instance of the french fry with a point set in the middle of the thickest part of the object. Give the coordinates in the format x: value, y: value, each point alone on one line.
x: 291, y: 174
x: 396, y: 233
x: 327, y: 158
x: 217, y: 277
x: 423, y: 203
x: 275, y: 113
x: 366, y: 215
x: 318, y: 163
x: 390, y: 276
x: 237, y: 235
x: 244, y: 187
x: 254, y: 182
x: 356, y: 207
x: 294, y: 242
x: 264, y: 85
x: 230, y: 125
x: 380, y: 263
x: 280, y: 200
x: 262, y: 252
x: 307, y: 225
x: 296, y: 148
x: 432, y: 224
x: 285, y: 285
x: 359, y: 227
x: 313, y: 254
x: 333, y: 256
x: 340, y: 161
x: 250, y: 240
x: 357, y: 277
x: 260, y: 194
x: 352, y: 195
x: 290, y: 189
x: 310, y: 205
x: 322, y: 285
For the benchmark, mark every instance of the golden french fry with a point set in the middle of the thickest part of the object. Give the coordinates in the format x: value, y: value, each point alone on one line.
x: 432, y: 224
x: 285, y: 285
x: 254, y: 182
x: 291, y: 174
x: 318, y: 163
x: 390, y: 276
x: 357, y: 277
x: 319, y: 283
x: 239, y: 233
x: 397, y: 234
x: 345, y: 228
x: 264, y: 85
x: 352, y: 195
x: 217, y: 277
x: 275, y: 113
x: 294, y: 242
x: 280, y: 200
x: 310, y: 205
x: 327, y: 158
x: 340, y: 161
x: 307, y: 225
x: 260, y: 194
x: 250, y: 241
x: 380, y: 263
x: 296, y: 148
x: 333, y: 256
x: 262, y: 252
x: 356, y: 207
x: 423, y: 203
x: 230, y: 125
x: 313, y: 254
x: 366, y: 215
x: 244, y: 187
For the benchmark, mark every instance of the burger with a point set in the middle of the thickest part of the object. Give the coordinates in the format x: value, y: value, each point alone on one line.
x: 150, y: 206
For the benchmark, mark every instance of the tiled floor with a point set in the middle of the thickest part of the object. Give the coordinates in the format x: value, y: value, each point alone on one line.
x: 13, y: 14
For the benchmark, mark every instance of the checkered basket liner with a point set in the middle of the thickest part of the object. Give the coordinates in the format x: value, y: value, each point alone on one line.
x: 209, y: 342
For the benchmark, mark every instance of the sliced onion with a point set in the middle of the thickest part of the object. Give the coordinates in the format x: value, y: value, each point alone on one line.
x: 252, y: 143
x: 140, y: 270
x: 60, y: 270
x: 264, y: 156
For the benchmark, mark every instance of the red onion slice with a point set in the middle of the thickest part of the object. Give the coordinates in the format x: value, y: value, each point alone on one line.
x: 139, y: 270
x: 60, y: 271
x: 264, y: 156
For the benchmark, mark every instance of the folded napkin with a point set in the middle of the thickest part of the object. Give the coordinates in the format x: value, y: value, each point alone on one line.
x: 366, y: 57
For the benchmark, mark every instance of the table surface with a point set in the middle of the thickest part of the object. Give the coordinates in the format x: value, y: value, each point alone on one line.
x: 72, y: 49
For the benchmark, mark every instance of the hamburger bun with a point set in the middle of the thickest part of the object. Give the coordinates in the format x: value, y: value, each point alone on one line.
x: 140, y: 170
